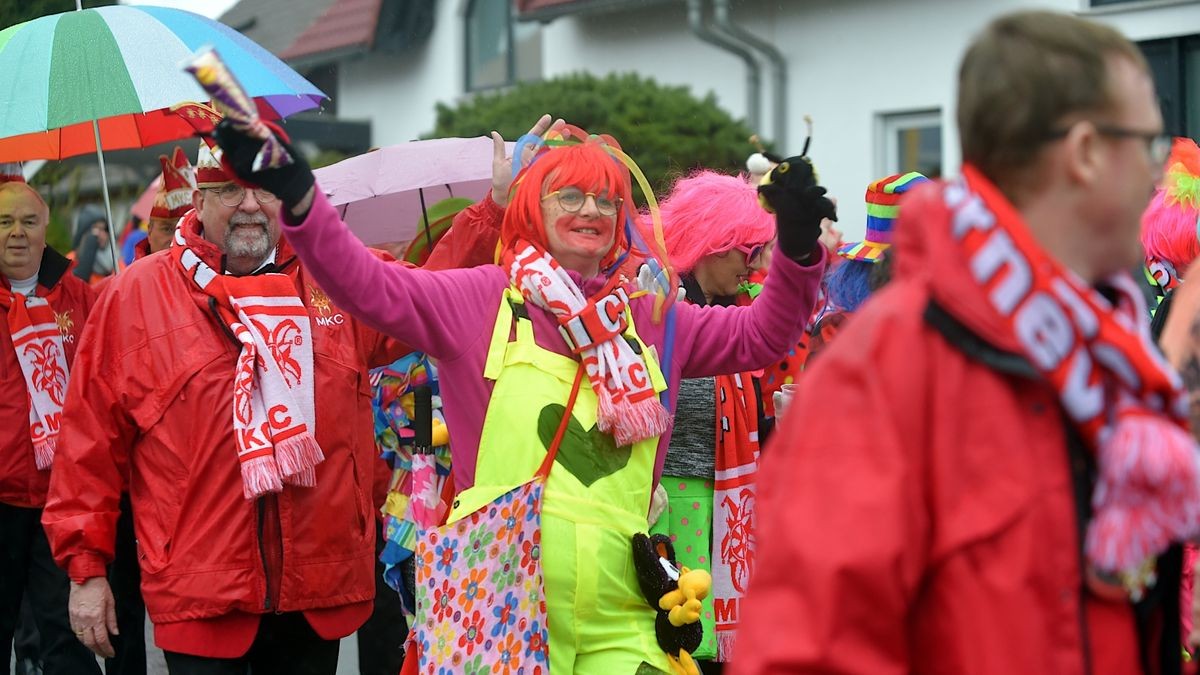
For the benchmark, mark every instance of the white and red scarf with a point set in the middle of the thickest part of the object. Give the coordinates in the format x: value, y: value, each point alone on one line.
x: 1126, y: 401
x: 734, y: 498
x: 273, y: 411
x: 594, y: 328
x: 39, y: 348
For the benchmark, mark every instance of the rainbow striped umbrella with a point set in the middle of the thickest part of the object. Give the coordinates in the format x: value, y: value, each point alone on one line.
x: 120, y: 65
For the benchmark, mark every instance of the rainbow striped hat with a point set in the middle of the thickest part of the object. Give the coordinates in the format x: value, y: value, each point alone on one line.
x: 883, y: 204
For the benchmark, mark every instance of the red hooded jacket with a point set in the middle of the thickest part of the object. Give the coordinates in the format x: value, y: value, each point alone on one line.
x: 153, y: 391
x: 21, y: 483
x: 920, y: 503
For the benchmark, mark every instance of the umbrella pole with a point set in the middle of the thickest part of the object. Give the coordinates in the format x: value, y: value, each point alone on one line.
x: 112, y: 239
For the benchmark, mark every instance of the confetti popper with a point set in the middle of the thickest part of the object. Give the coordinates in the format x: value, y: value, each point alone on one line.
x: 231, y: 100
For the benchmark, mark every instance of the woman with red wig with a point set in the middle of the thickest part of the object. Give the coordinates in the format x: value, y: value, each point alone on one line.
x: 515, y: 340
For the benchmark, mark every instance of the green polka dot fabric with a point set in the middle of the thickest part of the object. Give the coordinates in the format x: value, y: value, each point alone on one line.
x: 688, y: 521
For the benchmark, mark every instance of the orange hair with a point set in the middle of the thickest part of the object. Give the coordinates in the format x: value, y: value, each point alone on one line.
x: 587, y: 166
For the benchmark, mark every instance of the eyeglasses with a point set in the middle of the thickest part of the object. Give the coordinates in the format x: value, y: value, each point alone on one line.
x: 1158, y: 144
x: 753, y: 253
x: 571, y: 199
x: 232, y: 194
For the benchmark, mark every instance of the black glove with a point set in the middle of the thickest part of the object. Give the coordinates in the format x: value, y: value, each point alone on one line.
x: 290, y: 183
x: 791, y: 192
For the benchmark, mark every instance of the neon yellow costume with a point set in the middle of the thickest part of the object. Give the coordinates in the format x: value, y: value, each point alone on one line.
x: 596, y: 498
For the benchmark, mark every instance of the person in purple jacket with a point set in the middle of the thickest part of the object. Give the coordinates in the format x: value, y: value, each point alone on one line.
x: 514, y: 341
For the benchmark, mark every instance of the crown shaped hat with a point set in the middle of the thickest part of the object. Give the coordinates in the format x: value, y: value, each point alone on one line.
x: 10, y: 172
x: 174, y: 197
x: 209, y: 172
x: 883, y: 204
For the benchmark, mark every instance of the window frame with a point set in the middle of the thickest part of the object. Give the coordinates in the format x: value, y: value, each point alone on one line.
x: 889, y: 123
x: 510, y: 56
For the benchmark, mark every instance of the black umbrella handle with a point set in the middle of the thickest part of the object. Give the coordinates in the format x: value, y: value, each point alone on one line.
x: 422, y: 421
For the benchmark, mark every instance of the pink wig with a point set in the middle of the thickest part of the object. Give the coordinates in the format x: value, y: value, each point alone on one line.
x: 710, y: 213
x: 1169, y: 223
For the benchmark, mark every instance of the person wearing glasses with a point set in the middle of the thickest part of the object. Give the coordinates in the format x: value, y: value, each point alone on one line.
x: 219, y: 380
x: 993, y: 463
x: 516, y: 339
x: 716, y: 233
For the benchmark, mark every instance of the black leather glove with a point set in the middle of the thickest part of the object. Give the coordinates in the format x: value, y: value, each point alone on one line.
x: 290, y: 183
x: 791, y: 192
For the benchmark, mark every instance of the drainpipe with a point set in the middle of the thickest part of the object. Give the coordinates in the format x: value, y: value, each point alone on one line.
x: 753, y: 70
x: 775, y: 57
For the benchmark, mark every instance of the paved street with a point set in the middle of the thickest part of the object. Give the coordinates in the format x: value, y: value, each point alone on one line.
x: 155, y: 665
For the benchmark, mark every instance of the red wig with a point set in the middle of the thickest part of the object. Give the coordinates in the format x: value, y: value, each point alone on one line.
x: 586, y: 166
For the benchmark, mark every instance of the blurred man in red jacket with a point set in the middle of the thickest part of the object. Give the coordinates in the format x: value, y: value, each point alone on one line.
x: 983, y: 472
x: 43, y: 309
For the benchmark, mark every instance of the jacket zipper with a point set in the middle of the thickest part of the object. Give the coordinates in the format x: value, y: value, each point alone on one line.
x: 270, y: 549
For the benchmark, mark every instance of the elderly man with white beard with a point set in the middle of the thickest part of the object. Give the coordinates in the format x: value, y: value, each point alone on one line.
x: 220, y: 382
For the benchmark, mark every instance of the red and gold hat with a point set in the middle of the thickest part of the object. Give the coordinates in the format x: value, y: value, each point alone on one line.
x: 209, y: 172
x: 174, y: 197
x: 10, y: 172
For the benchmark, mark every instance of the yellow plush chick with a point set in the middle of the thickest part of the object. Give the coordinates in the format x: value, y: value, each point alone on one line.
x: 684, y: 665
x: 683, y: 604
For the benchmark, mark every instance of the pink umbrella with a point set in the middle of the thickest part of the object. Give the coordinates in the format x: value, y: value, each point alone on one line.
x: 379, y: 194
x: 141, y: 208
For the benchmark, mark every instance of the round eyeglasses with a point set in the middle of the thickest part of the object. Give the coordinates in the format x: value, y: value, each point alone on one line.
x: 571, y: 199
x: 232, y: 194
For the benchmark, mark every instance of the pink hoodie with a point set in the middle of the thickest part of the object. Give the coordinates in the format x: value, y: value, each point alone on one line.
x: 449, y: 315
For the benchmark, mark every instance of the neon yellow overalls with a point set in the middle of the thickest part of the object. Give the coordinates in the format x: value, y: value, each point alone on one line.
x: 596, y: 498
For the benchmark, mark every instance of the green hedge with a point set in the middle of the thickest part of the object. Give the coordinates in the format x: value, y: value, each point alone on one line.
x: 665, y: 129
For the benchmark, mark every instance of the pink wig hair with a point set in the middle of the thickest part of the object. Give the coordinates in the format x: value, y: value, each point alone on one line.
x: 710, y: 213
x: 1169, y: 223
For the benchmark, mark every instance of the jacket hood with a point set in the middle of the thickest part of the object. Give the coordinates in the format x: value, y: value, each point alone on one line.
x: 926, y: 252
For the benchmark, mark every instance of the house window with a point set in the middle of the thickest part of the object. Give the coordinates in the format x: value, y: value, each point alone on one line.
x: 910, y: 141
x: 1175, y: 65
x: 500, y: 51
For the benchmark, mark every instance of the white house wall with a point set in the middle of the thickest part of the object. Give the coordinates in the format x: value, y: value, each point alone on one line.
x: 397, y: 93
x: 849, y: 62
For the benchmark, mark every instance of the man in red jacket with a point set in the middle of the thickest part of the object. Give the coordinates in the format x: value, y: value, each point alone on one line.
x: 221, y: 379
x: 1017, y: 464
x: 43, y: 308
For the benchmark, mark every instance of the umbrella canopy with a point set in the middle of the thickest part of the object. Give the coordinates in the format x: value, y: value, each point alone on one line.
x: 378, y: 194
x: 121, y: 65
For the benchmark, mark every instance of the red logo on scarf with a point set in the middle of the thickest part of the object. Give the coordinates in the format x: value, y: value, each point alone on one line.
x: 737, y: 547
x: 281, y: 341
x: 242, y: 382
x: 48, y: 375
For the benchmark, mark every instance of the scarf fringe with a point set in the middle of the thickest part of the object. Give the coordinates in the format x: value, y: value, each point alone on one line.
x: 260, y: 476
x: 43, y: 452
x: 631, y: 422
x: 298, y: 454
x: 305, y: 478
x: 1148, y: 492
x: 725, y: 640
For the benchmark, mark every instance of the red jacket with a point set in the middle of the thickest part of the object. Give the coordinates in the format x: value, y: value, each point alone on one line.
x: 153, y: 390
x: 917, y: 509
x: 21, y: 483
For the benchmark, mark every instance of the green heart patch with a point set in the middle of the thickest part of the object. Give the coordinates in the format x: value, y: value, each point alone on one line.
x: 589, y: 455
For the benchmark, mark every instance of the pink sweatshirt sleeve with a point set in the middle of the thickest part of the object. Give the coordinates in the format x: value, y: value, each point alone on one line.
x: 716, y: 340
x: 435, y: 312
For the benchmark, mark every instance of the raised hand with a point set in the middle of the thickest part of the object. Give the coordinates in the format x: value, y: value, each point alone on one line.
x: 291, y: 183
x: 502, y: 164
x: 790, y: 191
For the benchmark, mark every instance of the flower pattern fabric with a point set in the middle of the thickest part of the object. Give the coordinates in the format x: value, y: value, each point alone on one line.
x: 479, y: 594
